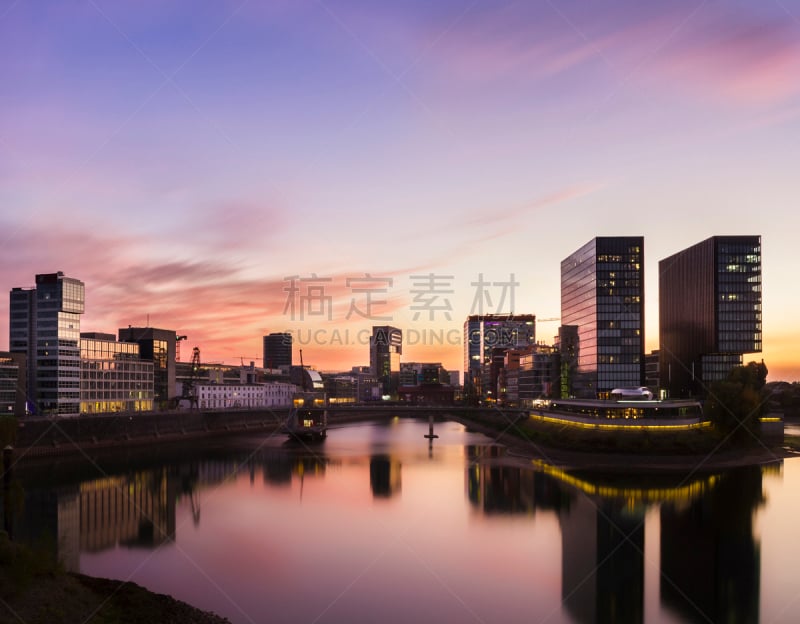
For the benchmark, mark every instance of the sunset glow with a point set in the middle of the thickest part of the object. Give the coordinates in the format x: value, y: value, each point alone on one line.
x: 204, y: 167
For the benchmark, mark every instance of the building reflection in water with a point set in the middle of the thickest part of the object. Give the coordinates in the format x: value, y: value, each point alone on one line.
x: 602, y: 540
x: 132, y: 511
x: 384, y: 476
x: 135, y: 510
x: 50, y: 519
x: 710, y: 565
x: 710, y: 560
x: 280, y: 465
x: 602, y: 571
x: 503, y: 489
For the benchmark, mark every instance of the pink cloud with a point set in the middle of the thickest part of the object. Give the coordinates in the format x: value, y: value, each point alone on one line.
x: 713, y: 51
x: 731, y: 57
x: 512, y: 214
x: 224, y: 309
x: 506, y: 221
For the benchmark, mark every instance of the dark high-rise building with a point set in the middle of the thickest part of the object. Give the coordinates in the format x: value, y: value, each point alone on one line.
x: 488, y: 336
x: 277, y: 350
x: 45, y: 325
x: 385, y: 349
x: 652, y: 378
x: 158, y: 346
x: 602, y: 293
x: 709, y: 311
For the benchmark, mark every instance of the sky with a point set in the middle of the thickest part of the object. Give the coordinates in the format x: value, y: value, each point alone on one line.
x: 231, y: 169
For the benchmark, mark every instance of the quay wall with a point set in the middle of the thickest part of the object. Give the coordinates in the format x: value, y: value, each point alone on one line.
x: 60, y: 436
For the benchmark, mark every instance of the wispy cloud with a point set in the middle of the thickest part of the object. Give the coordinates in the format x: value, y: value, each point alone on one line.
x: 512, y: 214
x: 714, y: 50
x: 224, y: 308
x: 737, y: 57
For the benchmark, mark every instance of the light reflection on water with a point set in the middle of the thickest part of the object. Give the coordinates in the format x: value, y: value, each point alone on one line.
x: 376, y: 524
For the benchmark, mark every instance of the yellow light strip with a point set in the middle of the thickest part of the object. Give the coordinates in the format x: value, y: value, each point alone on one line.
x: 684, y: 492
x: 639, y: 426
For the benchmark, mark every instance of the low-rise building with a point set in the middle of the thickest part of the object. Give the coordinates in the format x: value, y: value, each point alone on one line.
x: 231, y: 396
x: 425, y: 383
x: 113, y: 378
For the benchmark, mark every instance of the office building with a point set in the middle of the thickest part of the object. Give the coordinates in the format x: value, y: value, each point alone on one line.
x: 425, y: 383
x: 385, y: 349
x: 367, y: 386
x: 709, y: 312
x: 486, y: 338
x: 538, y: 375
x: 567, y: 348
x: 602, y: 294
x: 277, y: 350
x: 45, y: 326
x: 113, y: 377
x: 157, y: 346
x: 423, y: 373
x: 652, y: 376
x: 12, y: 384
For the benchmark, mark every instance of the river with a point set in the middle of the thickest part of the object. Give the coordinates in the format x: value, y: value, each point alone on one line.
x: 377, y: 524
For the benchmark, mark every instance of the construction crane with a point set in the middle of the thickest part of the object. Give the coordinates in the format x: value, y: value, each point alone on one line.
x: 188, y: 392
x: 178, y: 339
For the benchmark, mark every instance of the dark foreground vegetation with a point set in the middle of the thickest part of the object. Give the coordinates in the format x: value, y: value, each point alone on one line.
x: 35, y: 589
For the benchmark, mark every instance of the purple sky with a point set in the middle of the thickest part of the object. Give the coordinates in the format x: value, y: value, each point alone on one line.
x: 184, y: 158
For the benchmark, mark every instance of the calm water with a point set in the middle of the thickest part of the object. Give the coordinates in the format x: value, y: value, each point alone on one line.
x: 374, y: 526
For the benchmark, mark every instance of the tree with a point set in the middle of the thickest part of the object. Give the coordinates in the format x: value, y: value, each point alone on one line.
x: 736, y: 404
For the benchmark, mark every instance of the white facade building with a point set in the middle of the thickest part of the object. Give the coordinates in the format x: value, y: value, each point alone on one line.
x: 221, y: 396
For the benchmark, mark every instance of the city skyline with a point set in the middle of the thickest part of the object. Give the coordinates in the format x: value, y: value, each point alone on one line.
x: 186, y: 162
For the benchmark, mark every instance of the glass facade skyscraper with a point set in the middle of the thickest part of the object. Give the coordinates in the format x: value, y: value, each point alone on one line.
x: 486, y: 333
x: 45, y: 325
x: 602, y: 294
x: 709, y: 311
